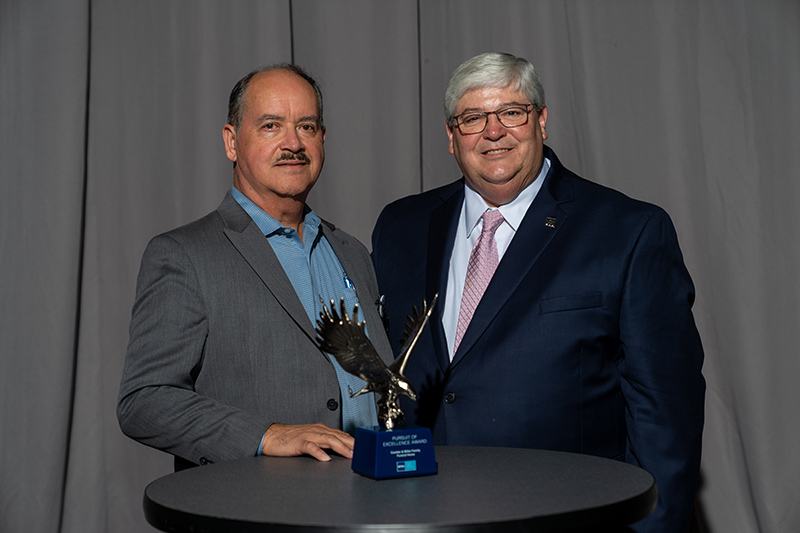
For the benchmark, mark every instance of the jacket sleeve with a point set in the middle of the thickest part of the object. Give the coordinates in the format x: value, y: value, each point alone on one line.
x: 660, y: 373
x: 158, y: 405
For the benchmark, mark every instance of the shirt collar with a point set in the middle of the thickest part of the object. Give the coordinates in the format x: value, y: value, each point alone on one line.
x: 266, y: 222
x: 513, y: 212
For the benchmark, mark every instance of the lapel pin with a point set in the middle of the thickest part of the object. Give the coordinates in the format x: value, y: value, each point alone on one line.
x: 550, y: 222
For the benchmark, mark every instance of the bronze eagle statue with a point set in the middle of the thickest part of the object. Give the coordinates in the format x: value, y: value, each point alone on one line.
x: 346, y: 340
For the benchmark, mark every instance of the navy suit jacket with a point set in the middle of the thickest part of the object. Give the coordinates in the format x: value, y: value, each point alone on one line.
x: 584, y: 340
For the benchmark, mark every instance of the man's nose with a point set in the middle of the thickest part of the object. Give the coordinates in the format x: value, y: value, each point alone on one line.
x: 494, y: 128
x: 291, y: 141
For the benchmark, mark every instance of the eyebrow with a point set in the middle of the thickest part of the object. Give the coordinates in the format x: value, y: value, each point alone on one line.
x: 505, y: 104
x: 266, y: 117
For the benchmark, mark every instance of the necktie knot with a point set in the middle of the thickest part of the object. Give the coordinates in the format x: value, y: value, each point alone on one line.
x: 491, y: 220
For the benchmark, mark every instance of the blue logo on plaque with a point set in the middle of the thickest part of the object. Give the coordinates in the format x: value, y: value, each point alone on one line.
x: 406, y: 466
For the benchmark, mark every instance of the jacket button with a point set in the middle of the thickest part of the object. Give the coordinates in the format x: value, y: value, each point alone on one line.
x: 205, y: 461
x: 333, y: 404
x: 450, y: 397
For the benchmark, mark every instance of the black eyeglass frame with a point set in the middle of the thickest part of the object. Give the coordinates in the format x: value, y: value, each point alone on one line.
x: 455, y: 122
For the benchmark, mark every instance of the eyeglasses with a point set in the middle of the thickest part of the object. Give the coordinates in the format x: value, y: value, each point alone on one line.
x: 510, y: 116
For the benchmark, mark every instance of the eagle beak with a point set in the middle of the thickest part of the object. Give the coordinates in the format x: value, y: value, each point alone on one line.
x: 408, y: 389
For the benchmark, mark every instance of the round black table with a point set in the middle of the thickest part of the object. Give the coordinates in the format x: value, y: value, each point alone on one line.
x: 476, y: 489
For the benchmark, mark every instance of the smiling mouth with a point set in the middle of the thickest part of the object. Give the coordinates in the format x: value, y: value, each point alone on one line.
x: 497, y: 151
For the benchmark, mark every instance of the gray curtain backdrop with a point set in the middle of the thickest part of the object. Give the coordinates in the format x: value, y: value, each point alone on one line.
x: 110, y: 132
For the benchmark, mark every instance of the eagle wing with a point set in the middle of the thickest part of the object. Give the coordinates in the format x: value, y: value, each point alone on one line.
x: 414, y: 325
x: 347, y: 341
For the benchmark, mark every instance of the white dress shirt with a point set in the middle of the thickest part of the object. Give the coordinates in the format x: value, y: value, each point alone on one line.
x: 467, y: 233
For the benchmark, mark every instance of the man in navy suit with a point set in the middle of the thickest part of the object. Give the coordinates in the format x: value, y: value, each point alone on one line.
x: 569, y: 326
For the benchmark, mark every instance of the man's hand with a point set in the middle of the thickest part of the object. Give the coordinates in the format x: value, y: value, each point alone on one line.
x: 283, y: 440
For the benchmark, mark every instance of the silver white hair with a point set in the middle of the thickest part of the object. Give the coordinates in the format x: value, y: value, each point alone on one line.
x: 493, y: 69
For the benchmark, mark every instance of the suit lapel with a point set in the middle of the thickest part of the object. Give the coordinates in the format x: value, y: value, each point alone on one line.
x: 360, y: 278
x: 534, y: 234
x: 441, y: 236
x: 245, y: 236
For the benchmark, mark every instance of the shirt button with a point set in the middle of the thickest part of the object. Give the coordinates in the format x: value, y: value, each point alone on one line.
x: 333, y: 404
x: 450, y: 397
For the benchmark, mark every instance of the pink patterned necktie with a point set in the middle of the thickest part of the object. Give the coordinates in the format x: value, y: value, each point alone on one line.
x: 482, y: 263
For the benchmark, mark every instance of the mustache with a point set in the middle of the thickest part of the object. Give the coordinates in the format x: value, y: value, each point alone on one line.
x: 290, y: 156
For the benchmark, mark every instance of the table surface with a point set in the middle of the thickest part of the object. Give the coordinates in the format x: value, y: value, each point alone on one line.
x: 476, y: 489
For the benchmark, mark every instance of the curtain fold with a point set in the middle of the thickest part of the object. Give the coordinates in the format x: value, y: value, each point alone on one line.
x: 43, y: 83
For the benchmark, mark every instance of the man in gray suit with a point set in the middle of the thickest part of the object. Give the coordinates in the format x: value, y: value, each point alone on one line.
x: 222, y: 361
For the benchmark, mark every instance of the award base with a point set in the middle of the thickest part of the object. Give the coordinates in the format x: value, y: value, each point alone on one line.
x: 404, y: 452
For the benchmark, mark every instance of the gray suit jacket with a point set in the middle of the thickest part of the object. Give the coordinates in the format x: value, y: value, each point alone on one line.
x: 220, y: 345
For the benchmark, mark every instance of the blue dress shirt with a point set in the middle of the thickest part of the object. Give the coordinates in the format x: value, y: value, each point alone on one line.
x: 317, y: 277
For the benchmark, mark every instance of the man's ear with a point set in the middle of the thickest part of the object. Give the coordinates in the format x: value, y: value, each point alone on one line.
x: 543, y: 122
x: 450, y: 134
x: 229, y: 138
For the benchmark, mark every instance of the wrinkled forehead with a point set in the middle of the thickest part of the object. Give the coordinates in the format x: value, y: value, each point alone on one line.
x: 280, y: 85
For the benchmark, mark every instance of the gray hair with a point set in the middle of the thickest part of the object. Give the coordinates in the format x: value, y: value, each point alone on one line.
x: 236, y: 100
x: 493, y: 69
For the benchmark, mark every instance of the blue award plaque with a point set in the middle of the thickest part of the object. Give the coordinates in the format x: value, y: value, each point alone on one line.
x: 383, y: 454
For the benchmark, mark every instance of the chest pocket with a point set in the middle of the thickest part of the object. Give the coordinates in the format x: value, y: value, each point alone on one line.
x: 570, y: 303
